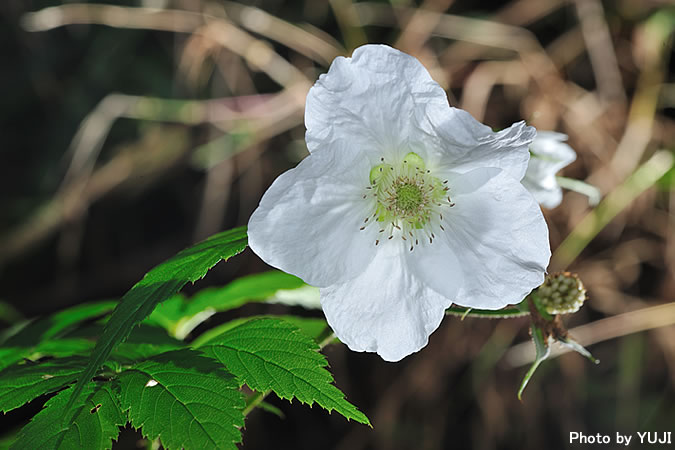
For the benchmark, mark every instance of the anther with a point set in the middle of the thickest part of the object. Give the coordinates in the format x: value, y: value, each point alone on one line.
x: 377, y: 241
x: 362, y: 228
x: 441, y: 227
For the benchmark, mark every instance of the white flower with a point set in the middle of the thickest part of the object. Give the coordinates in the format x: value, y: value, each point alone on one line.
x: 549, y: 155
x: 403, y: 206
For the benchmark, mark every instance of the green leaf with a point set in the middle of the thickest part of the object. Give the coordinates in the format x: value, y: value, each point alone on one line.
x: 94, y: 420
x: 309, y: 326
x: 37, y: 338
x: 543, y: 350
x: 146, y: 341
x: 185, y: 399
x: 62, y: 348
x: 272, y: 354
x: 21, y: 383
x: 159, y: 284
x: 258, y: 287
x: 57, y: 324
x: 180, y: 316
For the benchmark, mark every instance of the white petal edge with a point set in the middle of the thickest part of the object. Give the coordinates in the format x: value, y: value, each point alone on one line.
x: 386, y: 309
x: 466, y: 144
x: 499, y: 235
x: 307, y: 223
x: 377, y: 100
x: 550, y: 155
x: 547, y: 192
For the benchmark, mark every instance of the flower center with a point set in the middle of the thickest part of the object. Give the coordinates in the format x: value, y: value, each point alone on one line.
x: 408, y: 200
x: 409, y: 197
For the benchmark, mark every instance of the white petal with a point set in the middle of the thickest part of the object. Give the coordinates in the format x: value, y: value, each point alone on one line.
x: 546, y: 191
x: 308, y: 221
x: 549, y: 154
x: 499, y: 236
x: 376, y: 100
x: 436, y: 265
x: 386, y: 309
x: 466, y: 144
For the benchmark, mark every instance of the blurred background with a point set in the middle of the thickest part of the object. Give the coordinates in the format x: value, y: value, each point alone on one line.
x: 132, y: 130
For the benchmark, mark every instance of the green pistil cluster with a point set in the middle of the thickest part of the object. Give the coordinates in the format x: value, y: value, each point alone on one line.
x: 409, y: 201
x: 561, y: 293
x: 408, y: 197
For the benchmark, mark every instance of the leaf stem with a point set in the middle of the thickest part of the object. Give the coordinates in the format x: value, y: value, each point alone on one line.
x: 506, y: 313
x: 254, y: 400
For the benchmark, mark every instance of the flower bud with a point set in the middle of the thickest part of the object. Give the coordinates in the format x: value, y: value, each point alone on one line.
x: 561, y: 293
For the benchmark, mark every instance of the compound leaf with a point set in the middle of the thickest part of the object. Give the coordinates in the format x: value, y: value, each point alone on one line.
x: 159, y: 284
x: 21, y: 383
x: 185, y: 399
x: 272, y: 354
x: 93, y: 421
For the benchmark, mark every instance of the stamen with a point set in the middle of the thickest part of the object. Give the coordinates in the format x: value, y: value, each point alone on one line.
x: 408, y: 197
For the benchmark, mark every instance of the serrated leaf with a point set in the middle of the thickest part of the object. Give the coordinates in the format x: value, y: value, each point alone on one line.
x: 94, y: 421
x: 272, y: 354
x: 21, y: 383
x: 180, y: 315
x: 315, y: 328
x: 185, y: 399
x: 159, y: 284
